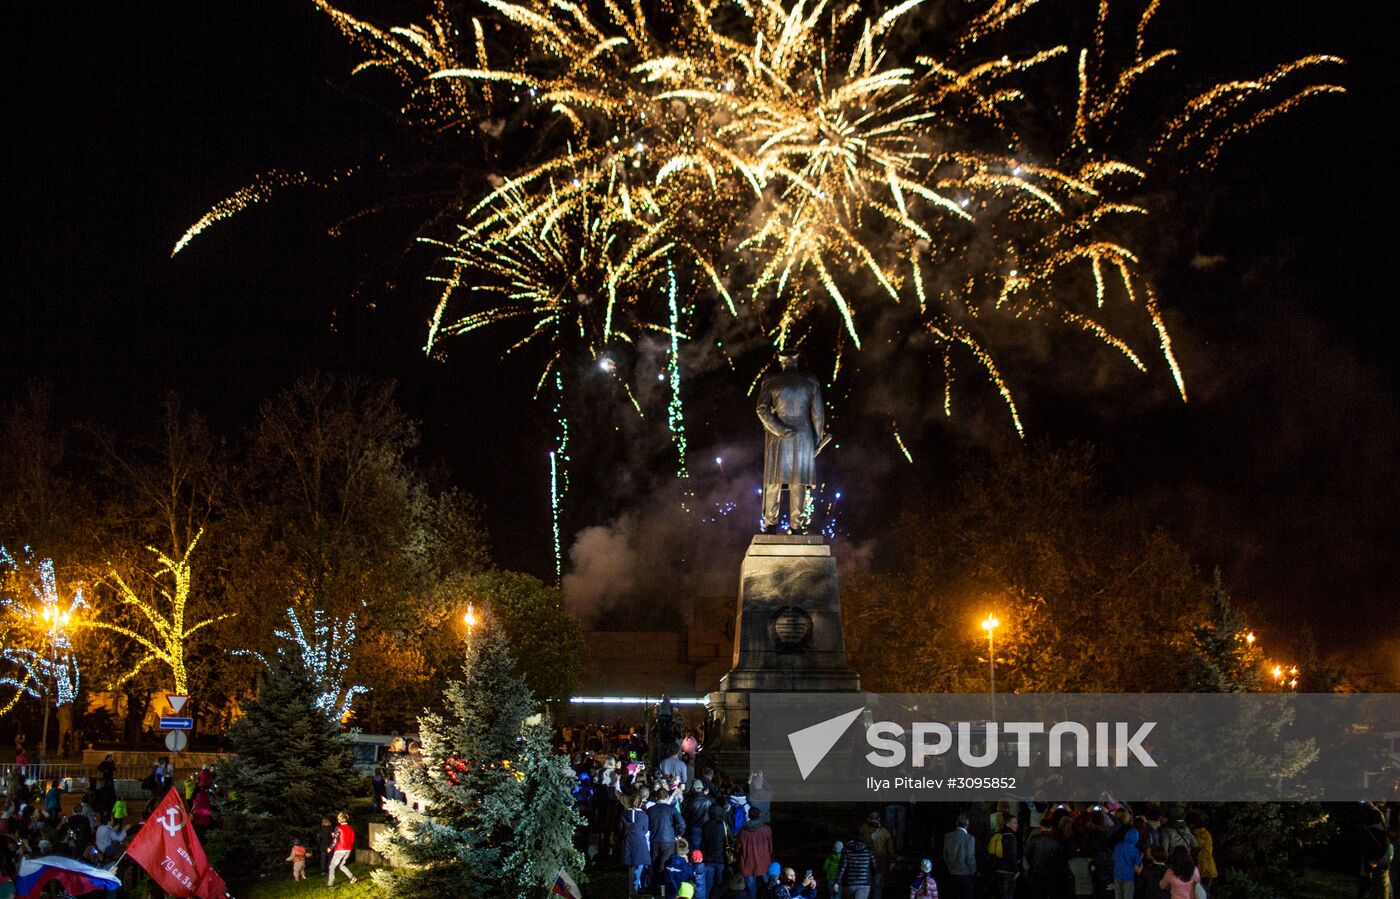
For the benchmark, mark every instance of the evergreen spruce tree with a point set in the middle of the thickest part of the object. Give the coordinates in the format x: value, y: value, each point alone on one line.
x: 498, y: 817
x: 1225, y: 661
x: 291, y: 765
x: 1315, y: 674
x: 1254, y: 751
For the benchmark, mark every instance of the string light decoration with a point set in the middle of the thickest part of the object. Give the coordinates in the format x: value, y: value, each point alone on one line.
x: 167, y: 631
x: 795, y: 145
x: 326, y: 655
x: 37, y: 646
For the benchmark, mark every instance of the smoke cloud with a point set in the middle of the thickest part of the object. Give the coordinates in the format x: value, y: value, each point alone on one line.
x: 685, y: 539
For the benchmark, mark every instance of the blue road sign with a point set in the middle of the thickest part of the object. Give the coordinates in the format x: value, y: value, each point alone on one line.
x: 177, y: 724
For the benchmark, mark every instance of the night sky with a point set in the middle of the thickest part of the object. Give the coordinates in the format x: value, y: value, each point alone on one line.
x: 129, y: 119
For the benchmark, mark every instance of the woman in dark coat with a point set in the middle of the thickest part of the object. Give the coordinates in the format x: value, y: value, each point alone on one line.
x: 636, y: 841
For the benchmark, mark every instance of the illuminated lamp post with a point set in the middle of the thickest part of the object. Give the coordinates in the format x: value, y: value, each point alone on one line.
x: 57, y: 620
x: 471, y: 621
x: 989, y: 624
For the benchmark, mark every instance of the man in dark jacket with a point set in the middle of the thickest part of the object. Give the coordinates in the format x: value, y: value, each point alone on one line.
x: 714, y: 839
x: 857, y: 871
x: 960, y: 858
x: 1046, y: 860
x: 666, y: 824
x: 107, y: 787
x: 696, y: 811
x: 1006, y: 866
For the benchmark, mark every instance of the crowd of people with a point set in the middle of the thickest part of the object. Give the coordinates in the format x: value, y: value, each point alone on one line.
x: 34, y: 823
x: 683, y: 832
x: 97, y: 829
x: 680, y: 832
x: 681, y: 828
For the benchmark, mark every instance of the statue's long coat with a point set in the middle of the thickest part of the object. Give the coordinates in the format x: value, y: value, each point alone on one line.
x: 793, y: 400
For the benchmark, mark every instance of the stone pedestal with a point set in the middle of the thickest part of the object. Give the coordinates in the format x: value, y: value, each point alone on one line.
x: 787, y: 636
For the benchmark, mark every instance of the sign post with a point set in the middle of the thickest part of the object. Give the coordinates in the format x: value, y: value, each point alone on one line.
x: 177, y: 726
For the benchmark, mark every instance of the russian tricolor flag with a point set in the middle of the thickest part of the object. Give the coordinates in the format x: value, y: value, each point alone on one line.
x: 564, y: 886
x: 74, y: 876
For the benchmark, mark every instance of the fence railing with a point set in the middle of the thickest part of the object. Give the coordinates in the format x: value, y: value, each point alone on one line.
x: 77, y: 774
x: 42, y: 771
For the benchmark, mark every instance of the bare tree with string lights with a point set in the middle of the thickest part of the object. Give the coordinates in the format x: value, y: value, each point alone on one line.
x: 162, y: 630
x: 37, y: 645
x: 324, y: 651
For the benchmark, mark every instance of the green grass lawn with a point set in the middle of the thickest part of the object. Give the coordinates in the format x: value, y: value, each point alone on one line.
x: 1314, y: 884
x: 604, y: 885
x: 281, y: 886
x: 610, y: 883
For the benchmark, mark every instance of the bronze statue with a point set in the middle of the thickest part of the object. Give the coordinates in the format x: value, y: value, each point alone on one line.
x: 794, y: 421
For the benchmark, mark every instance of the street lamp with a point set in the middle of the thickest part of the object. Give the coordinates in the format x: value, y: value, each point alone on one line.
x: 57, y: 620
x: 1286, y: 677
x: 470, y: 620
x: 989, y: 624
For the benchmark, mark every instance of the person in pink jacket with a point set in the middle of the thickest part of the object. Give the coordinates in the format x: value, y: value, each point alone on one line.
x: 1181, y: 877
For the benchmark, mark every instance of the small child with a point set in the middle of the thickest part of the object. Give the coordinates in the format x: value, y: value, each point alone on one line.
x: 831, y: 865
x: 1153, y: 872
x: 678, y: 870
x: 298, y: 860
x: 699, y: 875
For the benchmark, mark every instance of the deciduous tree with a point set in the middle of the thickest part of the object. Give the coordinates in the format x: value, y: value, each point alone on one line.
x: 1091, y: 597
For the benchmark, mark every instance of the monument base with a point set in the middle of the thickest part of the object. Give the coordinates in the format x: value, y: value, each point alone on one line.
x: 787, y: 634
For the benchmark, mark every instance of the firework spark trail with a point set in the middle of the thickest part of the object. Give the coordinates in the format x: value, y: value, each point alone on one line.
x: 675, y: 410
x: 1201, y: 117
x: 260, y: 190
x: 559, y: 461
x: 554, y: 518
x: 899, y: 441
x: 577, y: 266
x: 787, y: 143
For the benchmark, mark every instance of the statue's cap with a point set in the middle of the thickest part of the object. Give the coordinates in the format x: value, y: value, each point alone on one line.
x: 787, y: 357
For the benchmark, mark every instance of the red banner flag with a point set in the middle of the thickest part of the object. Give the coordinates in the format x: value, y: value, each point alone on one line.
x: 169, y: 850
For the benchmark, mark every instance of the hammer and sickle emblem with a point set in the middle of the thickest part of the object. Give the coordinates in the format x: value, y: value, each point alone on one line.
x: 171, y: 821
